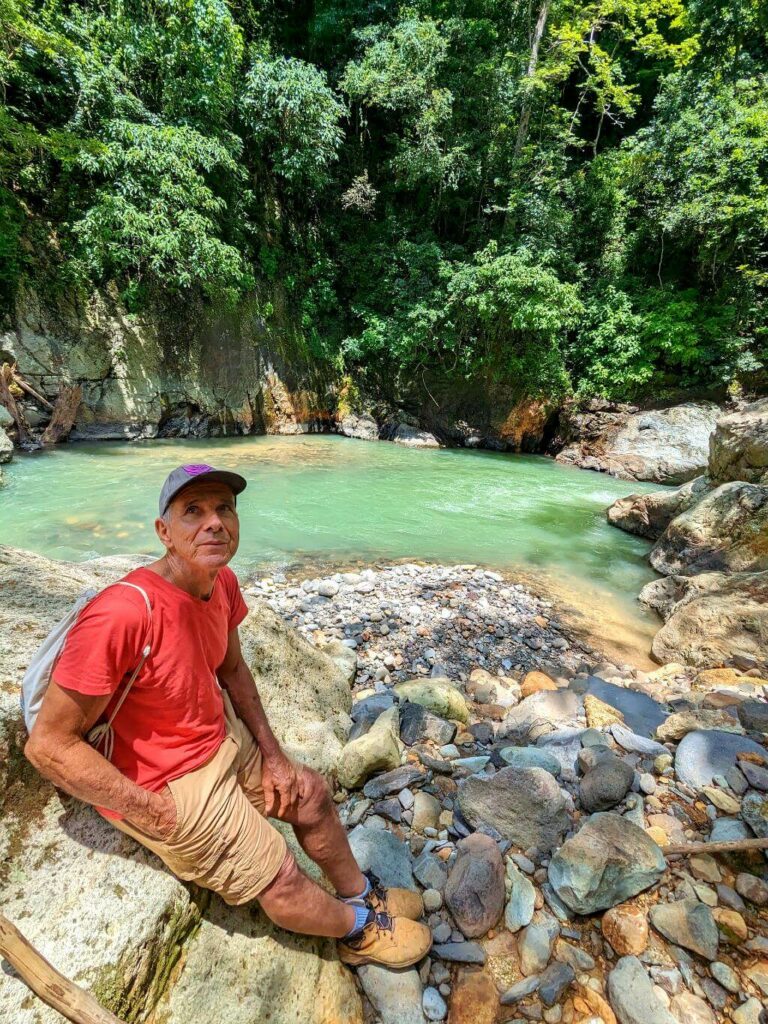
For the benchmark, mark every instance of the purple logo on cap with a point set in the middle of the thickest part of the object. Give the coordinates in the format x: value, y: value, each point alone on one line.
x: 196, y: 470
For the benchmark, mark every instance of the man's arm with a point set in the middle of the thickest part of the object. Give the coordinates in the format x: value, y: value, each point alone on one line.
x: 57, y: 748
x: 237, y: 679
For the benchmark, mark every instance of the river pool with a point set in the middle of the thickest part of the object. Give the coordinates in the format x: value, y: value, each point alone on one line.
x: 331, y: 500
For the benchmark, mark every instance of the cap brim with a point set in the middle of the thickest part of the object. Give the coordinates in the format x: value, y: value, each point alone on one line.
x: 234, y: 481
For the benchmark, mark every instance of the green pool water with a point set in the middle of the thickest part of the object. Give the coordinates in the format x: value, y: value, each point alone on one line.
x: 333, y: 500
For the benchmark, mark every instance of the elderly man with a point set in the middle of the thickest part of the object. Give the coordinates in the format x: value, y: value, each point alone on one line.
x: 195, y: 771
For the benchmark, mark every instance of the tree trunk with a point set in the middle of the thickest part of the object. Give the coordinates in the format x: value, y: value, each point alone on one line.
x: 64, y: 413
x: 7, y: 399
x: 47, y: 983
x: 533, y: 60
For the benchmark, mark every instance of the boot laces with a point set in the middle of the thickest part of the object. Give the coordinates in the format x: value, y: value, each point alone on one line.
x: 381, y: 921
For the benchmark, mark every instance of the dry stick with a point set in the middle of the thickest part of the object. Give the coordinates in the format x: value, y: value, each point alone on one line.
x: 731, y: 846
x: 18, y: 379
x: 47, y: 983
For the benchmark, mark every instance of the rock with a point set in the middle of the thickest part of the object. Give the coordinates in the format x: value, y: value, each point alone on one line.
x: 705, y: 753
x: 474, y: 893
x: 752, y: 888
x: 704, y: 867
x: 411, y: 437
x: 437, y: 695
x: 609, y: 860
x: 426, y: 810
x: 383, y: 853
x: 430, y: 871
x: 392, y: 782
x: 599, y: 714
x: 6, y: 445
x: 534, y: 946
x: 720, y: 533
x: 540, y: 714
x: 417, y: 724
x: 689, y: 924
x: 474, y: 999
x: 369, y: 707
x: 525, y: 805
x: 521, y: 989
x: 714, y: 616
x: 433, y: 1004
x: 433, y: 900
x: 328, y: 588
x: 755, y: 775
x: 648, y: 515
x: 554, y: 981
x: 722, y: 800
x: 606, y: 784
x: 459, y: 952
x: 753, y: 715
x: 626, y: 928
x: 726, y: 830
x: 738, y: 447
x: 363, y: 427
x: 378, y: 750
x: 725, y: 976
x: 731, y: 925
x: 641, y: 713
x: 754, y: 810
x: 636, y: 744
x: 748, y: 1013
x: 632, y: 996
x: 683, y: 722
x: 531, y: 757
x: 396, y: 996
x: 522, y: 900
x: 564, y: 745
x: 535, y: 682
x: 690, y: 1009
x: 758, y: 975
x: 667, y: 446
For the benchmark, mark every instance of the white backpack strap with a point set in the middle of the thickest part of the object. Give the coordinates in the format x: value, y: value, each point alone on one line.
x: 104, y: 730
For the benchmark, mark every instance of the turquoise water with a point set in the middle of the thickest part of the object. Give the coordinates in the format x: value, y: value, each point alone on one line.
x: 334, y: 500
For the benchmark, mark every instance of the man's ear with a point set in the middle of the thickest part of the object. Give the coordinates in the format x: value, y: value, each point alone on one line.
x: 161, y: 529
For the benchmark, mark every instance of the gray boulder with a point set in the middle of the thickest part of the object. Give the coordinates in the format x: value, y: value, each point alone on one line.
x: 632, y: 996
x: 363, y: 427
x: 395, y: 995
x: 539, y: 714
x: 705, y: 753
x: 687, y: 923
x: 383, y: 853
x: 648, y: 515
x: 606, y: 784
x: 609, y: 860
x: 475, y: 893
x: 377, y: 750
x: 525, y: 805
x: 641, y: 713
x: 738, y: 447
x: 412, y: 437
x: 418, y: 724
x: 6, y: 446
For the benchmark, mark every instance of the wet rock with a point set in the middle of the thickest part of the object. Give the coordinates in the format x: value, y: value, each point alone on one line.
x: 632, y: 996
x: 680, y: 724
x: 393, y: 781
x: 383, y: 853
x: 609, y: 860
x: 437, y: 695
x: 525, y: 805
x: 531, y: 757
x: 377, y: 750
x: 554, y: 982
x: 689, y: 924
x: 705, y: 753
x: 626, y: 928
x: 418, y: 724
x: 606, y: 784
x: 474, y: 892
x: 641, y: 713
x: 394, y: 995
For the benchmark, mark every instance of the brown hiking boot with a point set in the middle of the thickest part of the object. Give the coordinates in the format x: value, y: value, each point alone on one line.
x: 394, y: 902
x: 389, y: 941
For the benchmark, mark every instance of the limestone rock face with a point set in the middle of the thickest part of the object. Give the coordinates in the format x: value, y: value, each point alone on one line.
x: 725, y: 530
x: 738, y: 448
x: 715, y: 616
x: 363, y: 427
x: 648, y: 515
x: 105, y: 911
x: 663, y: 445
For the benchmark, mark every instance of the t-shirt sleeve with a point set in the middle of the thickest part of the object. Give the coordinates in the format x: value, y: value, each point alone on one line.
x: 238, y: 609
x: 104, y: 644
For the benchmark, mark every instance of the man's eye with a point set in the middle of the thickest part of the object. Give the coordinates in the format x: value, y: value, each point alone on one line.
x: 191, y: 508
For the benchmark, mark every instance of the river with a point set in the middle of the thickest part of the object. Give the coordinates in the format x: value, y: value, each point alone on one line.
x: 330, y: 500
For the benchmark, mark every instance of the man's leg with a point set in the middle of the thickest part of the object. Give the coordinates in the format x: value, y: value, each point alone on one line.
x: 296, y: 903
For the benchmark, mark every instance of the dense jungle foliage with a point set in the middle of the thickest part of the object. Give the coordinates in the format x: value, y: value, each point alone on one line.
x: 566, y: 195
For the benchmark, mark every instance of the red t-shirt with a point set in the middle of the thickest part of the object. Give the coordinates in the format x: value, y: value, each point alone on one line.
x: 172, y: 721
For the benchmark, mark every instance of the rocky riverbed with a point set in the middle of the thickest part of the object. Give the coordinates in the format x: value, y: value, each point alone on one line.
x: 526, y: 789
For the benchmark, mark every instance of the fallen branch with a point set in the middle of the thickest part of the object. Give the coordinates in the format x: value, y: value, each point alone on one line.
x: 18, y: 379
x: 47, y: 983
x: 64, y: 413
x: 731, y: 846
x: 7, y: 399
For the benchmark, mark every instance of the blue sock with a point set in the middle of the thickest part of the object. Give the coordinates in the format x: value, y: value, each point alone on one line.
x: 360, y: 895
x: 363, y: 916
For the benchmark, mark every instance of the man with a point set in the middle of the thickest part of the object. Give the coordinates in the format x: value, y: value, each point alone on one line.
x: 195, y: 770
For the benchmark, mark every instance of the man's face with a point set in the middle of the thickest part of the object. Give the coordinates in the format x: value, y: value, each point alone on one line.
x: 201, y: 526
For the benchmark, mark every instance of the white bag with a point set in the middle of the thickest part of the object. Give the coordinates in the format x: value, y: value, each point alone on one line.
x: 38, y: 676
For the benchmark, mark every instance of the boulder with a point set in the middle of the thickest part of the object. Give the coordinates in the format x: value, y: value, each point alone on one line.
x: 395, y: 995
x: 648, y: 515
x: 383, y: 853
x: 716, y: 617
x: 474, y: 893
x: 412, y: 437
x: 609, y: 860
x: 606, y: 784
x: 641, y: 713
x: 687, y: 923
x: 539, y: 714
x: 626, y: 928
x: 6, y: 445
x: 705, y: 753
x: 363, y: 427
x: 530, y: 757
x: 667, y: 446
x: 378, y: 750
x: 524, y: 805
x: 738, y: 447
x: 417, y: 724
x: 437, y: 695
x: 632, y: 996
x: 723, y: 532
x: 681, y: 723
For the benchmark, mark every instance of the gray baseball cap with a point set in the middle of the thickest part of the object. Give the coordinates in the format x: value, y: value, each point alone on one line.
x: 183, y: 476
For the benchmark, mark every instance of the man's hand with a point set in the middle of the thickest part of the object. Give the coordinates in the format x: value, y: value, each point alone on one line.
x: 158, y: 819
x: 282, y: 784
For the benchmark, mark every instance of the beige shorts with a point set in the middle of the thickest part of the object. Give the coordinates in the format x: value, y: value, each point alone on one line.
x: 222, y: 841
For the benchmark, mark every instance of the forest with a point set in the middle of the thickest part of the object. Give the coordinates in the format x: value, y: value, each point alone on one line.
x: 570, y: 196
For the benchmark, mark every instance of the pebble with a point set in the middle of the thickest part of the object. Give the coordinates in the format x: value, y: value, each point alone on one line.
x: 752, y: 888
x: 433, y: 1004
x: 433, y: 900
x: 460, y: 952
x: 725, y: 976
x: 534, y: 945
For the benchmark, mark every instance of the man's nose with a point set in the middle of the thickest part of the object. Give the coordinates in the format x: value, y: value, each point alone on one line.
x: 214, y: 523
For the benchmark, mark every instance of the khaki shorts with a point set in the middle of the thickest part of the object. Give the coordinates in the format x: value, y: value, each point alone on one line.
x: 222, y: 841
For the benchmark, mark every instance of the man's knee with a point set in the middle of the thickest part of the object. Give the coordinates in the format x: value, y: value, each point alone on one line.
x: 316, y: 796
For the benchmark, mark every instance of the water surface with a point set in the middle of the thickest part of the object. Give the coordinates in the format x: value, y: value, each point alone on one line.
x: 334, y: 500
